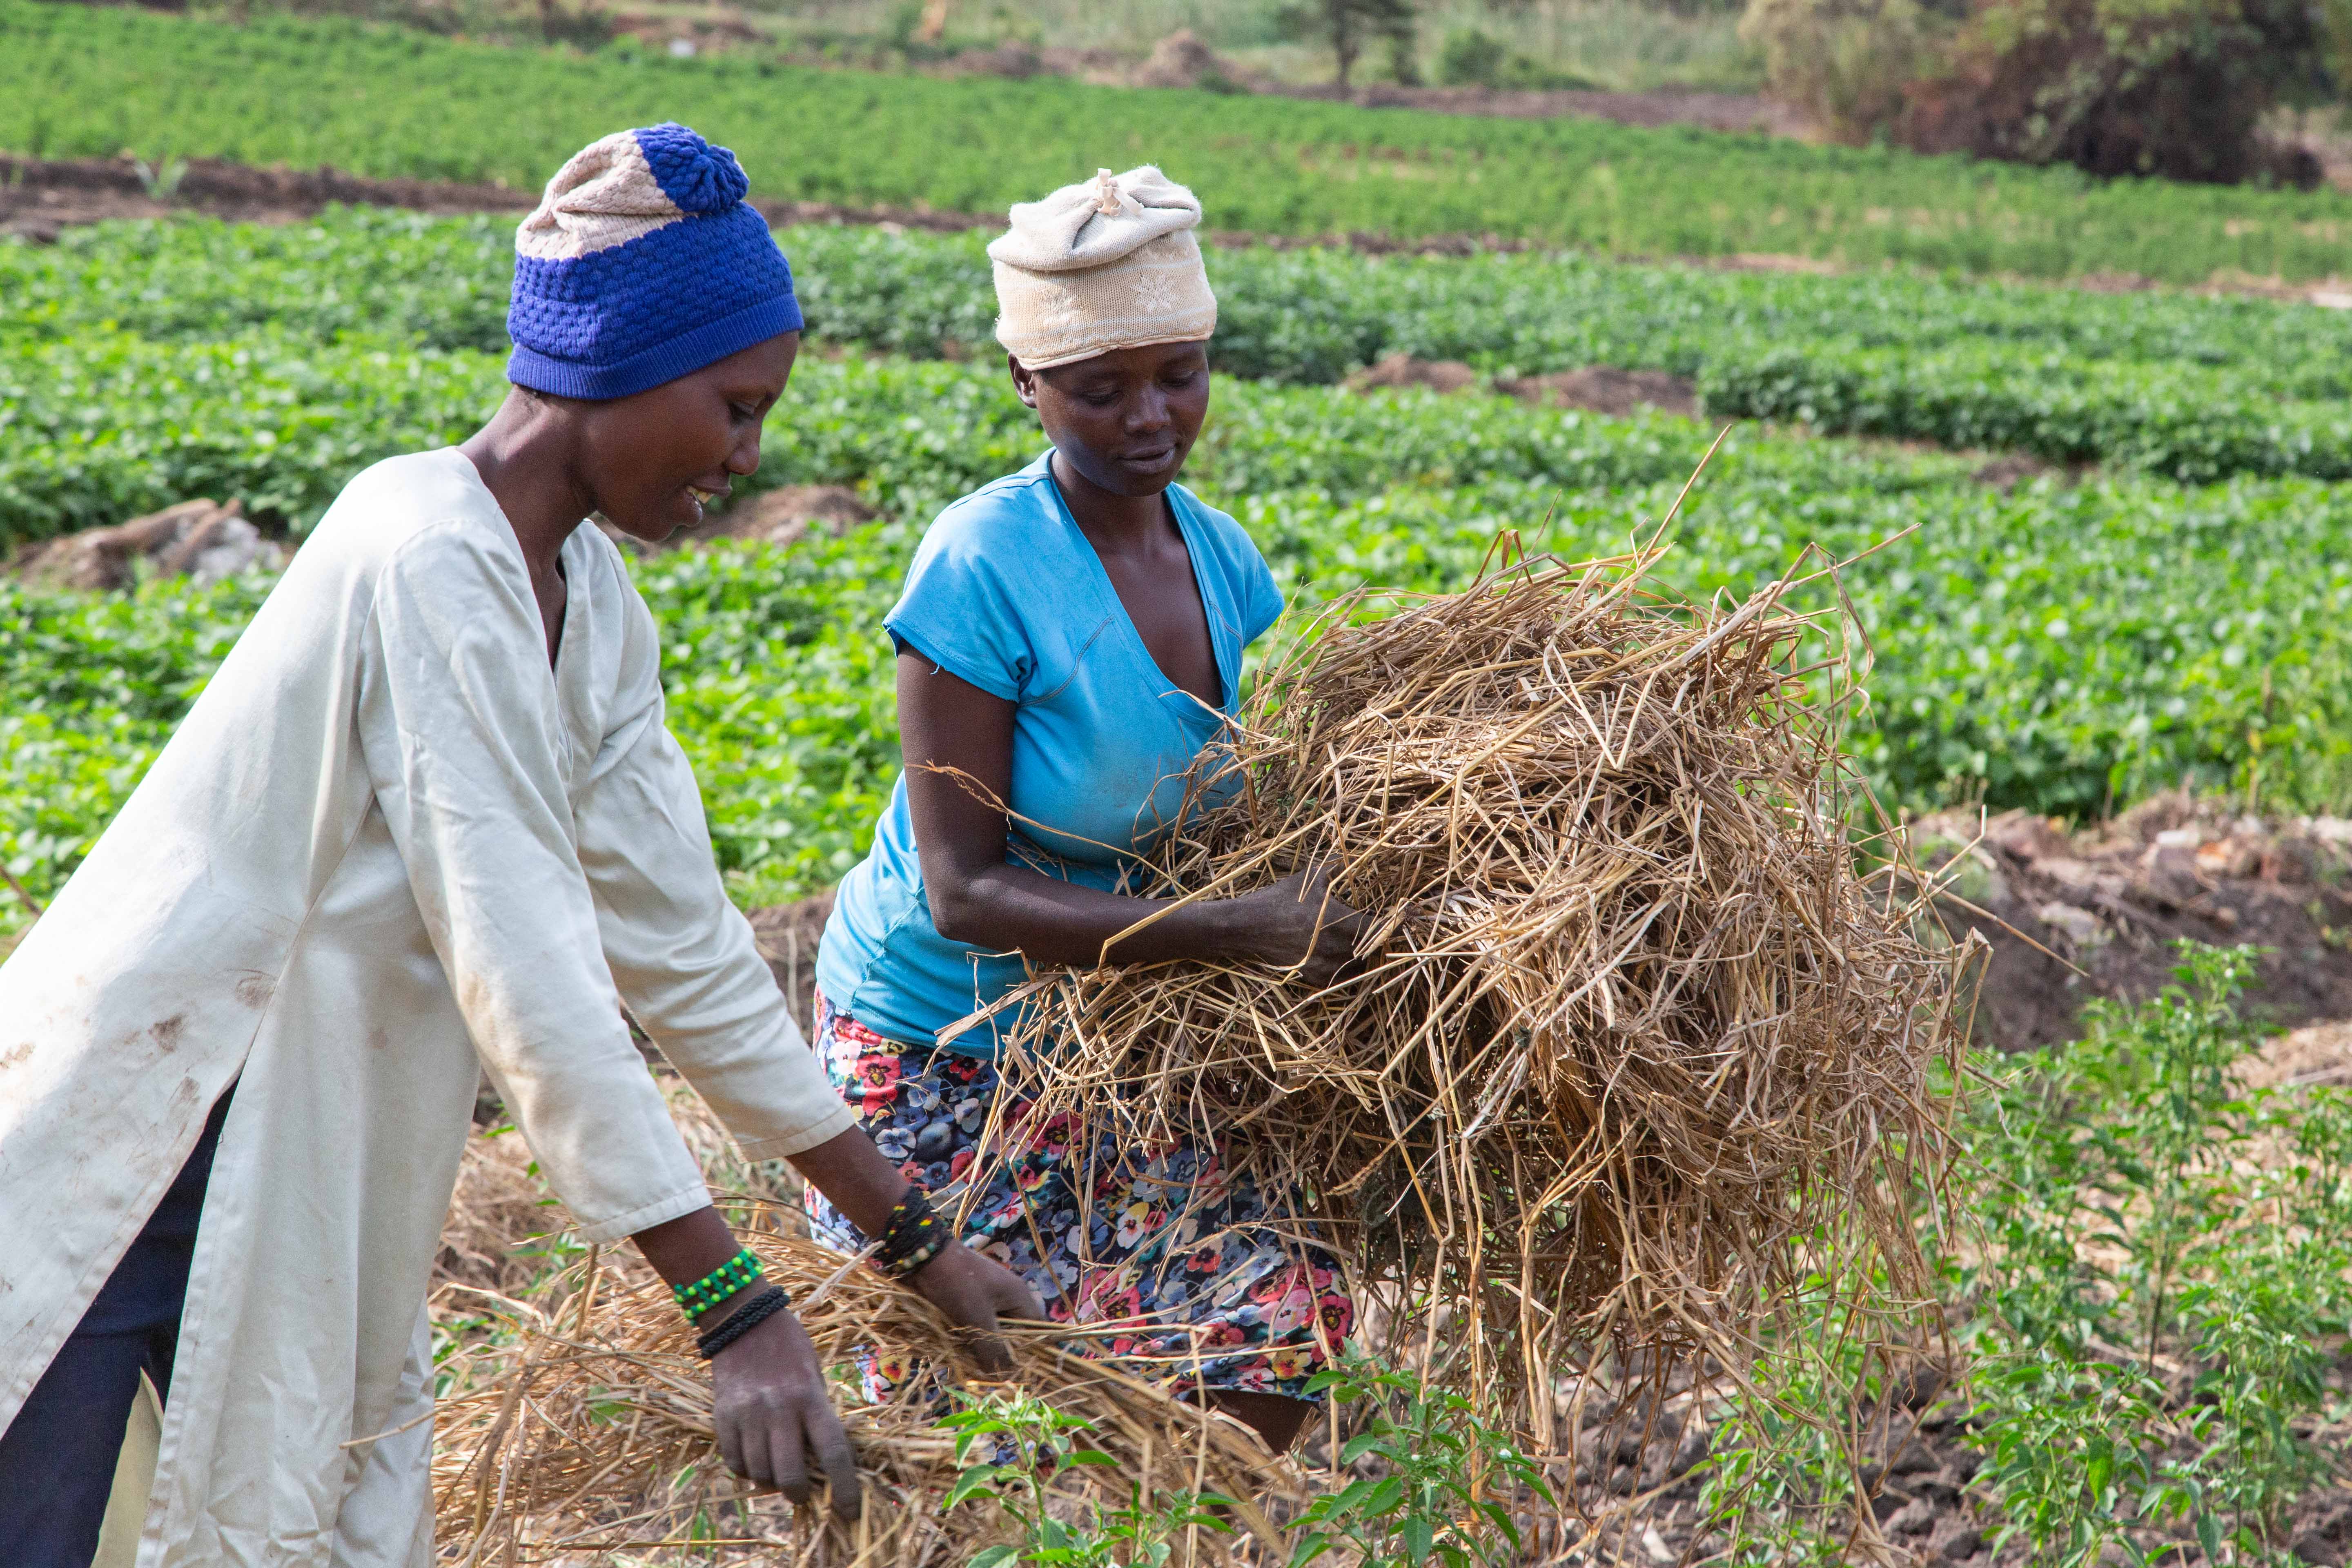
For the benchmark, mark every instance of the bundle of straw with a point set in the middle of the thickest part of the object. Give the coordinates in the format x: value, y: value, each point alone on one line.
x: 1631, y: 1051
x: 585, y: 1428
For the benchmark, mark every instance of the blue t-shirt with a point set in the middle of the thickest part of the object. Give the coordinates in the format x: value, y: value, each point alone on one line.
x: 1007, y: 593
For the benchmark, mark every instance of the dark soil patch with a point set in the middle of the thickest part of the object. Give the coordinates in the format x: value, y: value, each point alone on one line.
x: 2070, y: 917
x: 1606, y: 389
x: 1601, y: 389
x: 40, y: 198
x: 788, y: 935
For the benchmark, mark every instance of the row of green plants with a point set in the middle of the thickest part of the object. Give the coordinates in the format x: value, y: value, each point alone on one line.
x: 84, y: 81
x: 105, y: 425
x: 2188, y: 387
x: 2066, y: 649
x: 2147, y: 1290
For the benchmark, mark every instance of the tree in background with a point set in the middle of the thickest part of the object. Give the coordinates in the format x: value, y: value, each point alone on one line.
x: 1348, y: 24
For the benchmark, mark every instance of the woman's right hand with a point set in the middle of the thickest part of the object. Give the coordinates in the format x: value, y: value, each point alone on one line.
x: 1297, y: 923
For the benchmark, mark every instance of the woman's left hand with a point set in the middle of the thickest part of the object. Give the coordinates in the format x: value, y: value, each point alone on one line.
x: 774, y: 1420
x: 1297, y: 924
x: 975, y: 1292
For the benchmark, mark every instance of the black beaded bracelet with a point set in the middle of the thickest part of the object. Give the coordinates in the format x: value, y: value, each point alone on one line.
x: 913, y: 1237
x: 757, y: 1310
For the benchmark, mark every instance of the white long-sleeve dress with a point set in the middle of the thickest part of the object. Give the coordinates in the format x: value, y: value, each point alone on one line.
x: 386, y: 847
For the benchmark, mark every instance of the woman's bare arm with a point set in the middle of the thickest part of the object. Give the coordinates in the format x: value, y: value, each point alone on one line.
x: 979, y: 897
x: 771, y: 1411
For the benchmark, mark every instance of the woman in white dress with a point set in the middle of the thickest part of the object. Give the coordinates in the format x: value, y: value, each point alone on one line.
x: 426, y: 820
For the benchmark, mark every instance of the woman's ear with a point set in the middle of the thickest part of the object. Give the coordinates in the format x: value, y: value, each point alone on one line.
x: 1024, y: 380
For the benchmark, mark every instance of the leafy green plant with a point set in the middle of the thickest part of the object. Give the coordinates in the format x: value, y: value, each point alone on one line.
x: 1011, y: 1446
x: 1443, y: 1481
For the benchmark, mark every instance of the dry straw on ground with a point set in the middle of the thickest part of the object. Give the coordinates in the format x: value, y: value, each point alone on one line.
x: 589, y: 1432
x: 1633, y: 1050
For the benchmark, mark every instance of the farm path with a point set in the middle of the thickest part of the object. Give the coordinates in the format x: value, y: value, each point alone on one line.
x: 42, y: 198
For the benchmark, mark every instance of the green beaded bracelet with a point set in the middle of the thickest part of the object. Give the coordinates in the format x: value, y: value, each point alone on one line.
x: 715, y: 1286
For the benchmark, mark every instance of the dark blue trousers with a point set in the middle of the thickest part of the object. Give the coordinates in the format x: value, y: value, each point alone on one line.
x: 57, y: 1459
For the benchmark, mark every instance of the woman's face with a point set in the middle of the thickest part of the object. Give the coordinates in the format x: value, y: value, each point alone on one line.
x: 653, y: 460
x: 1125, y: 420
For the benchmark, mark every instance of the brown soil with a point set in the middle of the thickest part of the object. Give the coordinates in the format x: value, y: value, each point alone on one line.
x: 39, y: 197
x: 1399, y: 370
x: 783, y: 516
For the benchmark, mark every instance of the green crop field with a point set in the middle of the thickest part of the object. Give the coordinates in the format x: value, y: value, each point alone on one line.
x: 2066, y: 648
x: 2150, y: 1282
x: 83, y: 81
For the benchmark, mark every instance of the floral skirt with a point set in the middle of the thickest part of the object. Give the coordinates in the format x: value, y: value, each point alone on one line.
x: 1160, y: 1252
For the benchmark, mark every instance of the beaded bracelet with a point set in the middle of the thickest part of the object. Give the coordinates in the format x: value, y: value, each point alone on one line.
x: 912, y: 1238
x: 715, y: 1286
x: 759, y: 1309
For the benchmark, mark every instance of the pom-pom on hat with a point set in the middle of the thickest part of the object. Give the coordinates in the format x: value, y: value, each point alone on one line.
x: 641, y: 264
x: 1111, y: 263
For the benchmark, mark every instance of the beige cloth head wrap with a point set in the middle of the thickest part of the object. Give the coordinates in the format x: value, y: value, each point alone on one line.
x: 1108, y: 264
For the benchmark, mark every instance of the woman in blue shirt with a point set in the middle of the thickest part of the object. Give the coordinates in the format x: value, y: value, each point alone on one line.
x: 1069, y: 639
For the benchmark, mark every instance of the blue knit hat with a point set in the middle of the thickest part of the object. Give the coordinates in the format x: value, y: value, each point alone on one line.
x: 641, y: 264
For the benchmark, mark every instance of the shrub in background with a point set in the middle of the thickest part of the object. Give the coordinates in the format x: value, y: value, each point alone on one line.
x: 1474, y: 57
x: 1849, y: 64
x: 2174, y: 88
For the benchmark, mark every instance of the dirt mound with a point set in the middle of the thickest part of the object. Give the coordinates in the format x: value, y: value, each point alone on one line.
x: 198, y: 539
x: 2071, y: 917
x: 781, y: 516
x: 1605, y: 389
x: 1181, y: 59
x: 1403, y: 370
x: 784, y: 515
x: 1600, y: 388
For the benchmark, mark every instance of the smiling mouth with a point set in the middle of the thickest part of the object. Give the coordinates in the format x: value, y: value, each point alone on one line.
x: 703, y: 499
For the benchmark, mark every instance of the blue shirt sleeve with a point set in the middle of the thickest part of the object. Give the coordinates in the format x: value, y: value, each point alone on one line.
x: 957, y: 610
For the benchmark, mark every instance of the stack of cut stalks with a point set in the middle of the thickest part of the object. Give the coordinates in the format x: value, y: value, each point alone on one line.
x: 1632, y: 1048
x: 1633, y: 1056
